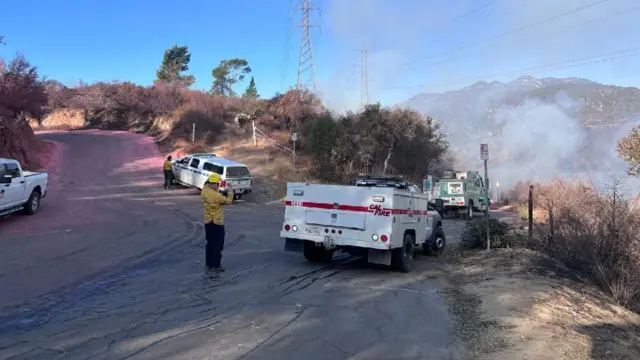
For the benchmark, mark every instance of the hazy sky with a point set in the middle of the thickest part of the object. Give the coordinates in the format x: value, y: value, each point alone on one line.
x: 415, y: 45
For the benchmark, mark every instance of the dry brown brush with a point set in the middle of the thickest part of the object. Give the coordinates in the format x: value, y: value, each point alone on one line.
x: 593, y: 232
x: 22, y: 95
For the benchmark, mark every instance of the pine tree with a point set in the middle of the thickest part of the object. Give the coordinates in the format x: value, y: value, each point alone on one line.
x: 174, y: 62
x: 227, y: 74
x: 252, y: 91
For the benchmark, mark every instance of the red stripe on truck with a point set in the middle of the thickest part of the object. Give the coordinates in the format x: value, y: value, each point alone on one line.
x: 373, y: 208
x: 327, y: 206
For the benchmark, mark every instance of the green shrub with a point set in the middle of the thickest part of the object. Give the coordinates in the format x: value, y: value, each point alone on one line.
x: 474, y: 235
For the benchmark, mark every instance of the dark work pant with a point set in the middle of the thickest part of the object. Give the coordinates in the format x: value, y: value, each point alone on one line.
x: 215, y: 244
x: 168, y: 177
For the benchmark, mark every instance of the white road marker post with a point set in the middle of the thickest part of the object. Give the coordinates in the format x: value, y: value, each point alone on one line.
x: 484, y: 156
x: 294, y: 137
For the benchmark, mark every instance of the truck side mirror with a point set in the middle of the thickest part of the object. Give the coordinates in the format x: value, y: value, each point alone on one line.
x: 439, y: 205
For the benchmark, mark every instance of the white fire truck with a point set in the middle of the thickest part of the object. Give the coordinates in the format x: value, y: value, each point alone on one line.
x: 381, y: 218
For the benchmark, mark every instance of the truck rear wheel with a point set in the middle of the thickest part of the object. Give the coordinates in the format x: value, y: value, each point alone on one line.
x: 402, y: 257
x: 33, y: 204
x: 435, y: 247
x: 318, y: 254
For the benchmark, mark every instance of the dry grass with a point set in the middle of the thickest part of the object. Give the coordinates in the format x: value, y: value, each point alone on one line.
x: 64, y: 119
x: 271, y: 168
x: 520, y: 304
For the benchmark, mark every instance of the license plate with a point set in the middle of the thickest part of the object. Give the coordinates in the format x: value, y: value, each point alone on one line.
x: 328, y: 242
x: 313, y: 230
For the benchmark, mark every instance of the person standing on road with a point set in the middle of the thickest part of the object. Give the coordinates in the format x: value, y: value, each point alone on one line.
x: 167, y: 168
x: 214, y: 220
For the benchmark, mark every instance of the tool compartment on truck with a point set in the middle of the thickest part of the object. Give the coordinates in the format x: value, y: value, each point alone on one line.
x: 342, y: 215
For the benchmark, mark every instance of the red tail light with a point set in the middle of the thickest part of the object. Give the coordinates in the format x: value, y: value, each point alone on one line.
x: 223, y: 183
x: 287, y: 227
x: 384, y: 238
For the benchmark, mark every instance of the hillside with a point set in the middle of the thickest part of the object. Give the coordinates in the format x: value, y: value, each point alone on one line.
x: 536, y: 128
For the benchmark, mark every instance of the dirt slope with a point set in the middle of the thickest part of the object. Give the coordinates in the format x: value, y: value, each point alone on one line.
x: 18, y: 141
x: 518, y: 304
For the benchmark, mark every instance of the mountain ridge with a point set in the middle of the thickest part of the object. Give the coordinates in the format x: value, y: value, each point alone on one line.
x: 560, y: 126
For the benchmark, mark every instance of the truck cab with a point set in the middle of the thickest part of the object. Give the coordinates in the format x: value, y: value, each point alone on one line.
x: 20, y: 190
x: 194, y: 170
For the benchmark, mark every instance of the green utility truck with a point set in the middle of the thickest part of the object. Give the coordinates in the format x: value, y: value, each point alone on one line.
x: 462, y: 193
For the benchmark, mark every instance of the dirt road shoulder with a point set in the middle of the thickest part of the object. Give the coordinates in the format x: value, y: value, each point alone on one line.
x: 517, y: 303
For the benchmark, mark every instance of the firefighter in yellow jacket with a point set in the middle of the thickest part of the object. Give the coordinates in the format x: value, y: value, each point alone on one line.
x: 214, y: 220
x: 167, y: 169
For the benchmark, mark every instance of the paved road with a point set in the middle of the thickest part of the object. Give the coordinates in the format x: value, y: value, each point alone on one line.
x: 112, y: 268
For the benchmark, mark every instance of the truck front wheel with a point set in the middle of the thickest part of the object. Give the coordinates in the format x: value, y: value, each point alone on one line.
x: 317, y: 254
x: 402, y: 257
x: 33, y: 204
x: 435, y: 247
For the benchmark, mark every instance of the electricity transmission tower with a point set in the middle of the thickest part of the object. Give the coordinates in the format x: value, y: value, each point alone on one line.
x: 364, y: 76
x: 306, y: 65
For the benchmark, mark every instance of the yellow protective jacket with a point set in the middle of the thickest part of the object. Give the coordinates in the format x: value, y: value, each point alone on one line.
x: 213, y: 202
x: 166, y: 165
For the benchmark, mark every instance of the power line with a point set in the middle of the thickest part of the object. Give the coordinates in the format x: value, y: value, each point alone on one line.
x: 583, y: 23
x: 364, y: 76
x: 505, y: 34
x: 472, y: 11
x: 606, y: 57
x: 461, y: 16
x: 306, y: 64
x: 287, y: 41
x: 468, y: 13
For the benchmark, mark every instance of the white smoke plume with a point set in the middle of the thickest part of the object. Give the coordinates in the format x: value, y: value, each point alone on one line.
x: 416, y: 46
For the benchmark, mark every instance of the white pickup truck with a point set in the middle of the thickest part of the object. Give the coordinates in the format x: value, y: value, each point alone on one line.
x: 383, y: 219
x: 20, y: 190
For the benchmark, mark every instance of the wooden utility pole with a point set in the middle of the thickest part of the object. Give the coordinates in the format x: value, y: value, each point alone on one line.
x: 530, y: 214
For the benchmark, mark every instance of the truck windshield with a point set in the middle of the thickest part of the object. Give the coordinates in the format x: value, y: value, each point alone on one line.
x: 451, y: 188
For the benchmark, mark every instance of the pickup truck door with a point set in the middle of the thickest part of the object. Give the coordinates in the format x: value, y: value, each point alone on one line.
x: 193, y: 173
x: 14, y: 190
x: 4, y: 189
x: 179, y: 169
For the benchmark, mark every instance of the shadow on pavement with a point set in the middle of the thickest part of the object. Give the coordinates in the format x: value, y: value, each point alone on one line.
x: 269, y: 305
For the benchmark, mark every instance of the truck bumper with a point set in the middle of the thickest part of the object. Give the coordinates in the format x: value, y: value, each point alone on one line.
x: 293, y: 245
x: 293, y: 242
x: 374, y: 255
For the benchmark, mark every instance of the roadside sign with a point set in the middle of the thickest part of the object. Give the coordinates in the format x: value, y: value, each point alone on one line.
x: 484, y: 151
x: 294, y: 136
